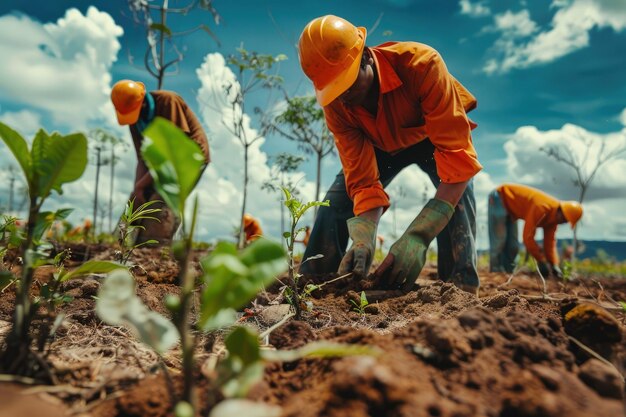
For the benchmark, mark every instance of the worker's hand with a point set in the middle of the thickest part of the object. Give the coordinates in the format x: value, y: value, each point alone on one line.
x: 407, y: 256
x: 359, y: 257
x: 544, y: 268
x: 556, y: 271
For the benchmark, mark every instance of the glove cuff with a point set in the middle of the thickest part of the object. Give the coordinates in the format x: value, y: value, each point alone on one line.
x: 440, y: 206
x: 362, y: 229
x: 431, y: 220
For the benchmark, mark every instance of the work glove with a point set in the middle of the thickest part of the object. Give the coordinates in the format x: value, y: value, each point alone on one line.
x: 407, y: 256
x: 544, y: 268
x: 359, y: 257
x: 556, y: 272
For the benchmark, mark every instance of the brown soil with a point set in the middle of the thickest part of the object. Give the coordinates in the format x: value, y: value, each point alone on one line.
x: 443, y: 352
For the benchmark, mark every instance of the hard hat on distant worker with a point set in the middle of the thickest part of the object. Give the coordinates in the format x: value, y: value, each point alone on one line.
x: 127, y: 97
x: 572, y: 211
x: 330, y: 50
x: 247, y: 220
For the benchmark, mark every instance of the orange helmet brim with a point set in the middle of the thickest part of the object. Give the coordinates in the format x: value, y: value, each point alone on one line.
x: 339, y: 85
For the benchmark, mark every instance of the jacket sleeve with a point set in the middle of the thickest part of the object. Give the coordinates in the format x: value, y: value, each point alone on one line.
x: 359, y: 164
x: 446, y: 122
x: 549, y: 244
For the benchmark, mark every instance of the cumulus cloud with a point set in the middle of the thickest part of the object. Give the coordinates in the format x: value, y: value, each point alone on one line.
x: 26, y: 122
x: 61, y: 68
x: 528, y: 164
x: 622, y: 117
x: 474, y: 9
x: 568, y: 32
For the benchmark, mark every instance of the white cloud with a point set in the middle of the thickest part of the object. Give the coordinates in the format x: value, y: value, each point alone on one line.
x: 26, y: 122
x: 63, y: 67
x: 568, y: 32
x: 527, y: 164
x: 474, y: 9
x: 622, y: 117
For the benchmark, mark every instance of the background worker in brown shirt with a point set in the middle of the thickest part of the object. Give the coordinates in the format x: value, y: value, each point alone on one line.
x: 511, y: 202
x: 137, y: 109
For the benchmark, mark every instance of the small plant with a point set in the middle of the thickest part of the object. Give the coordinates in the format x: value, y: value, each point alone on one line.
x: 52, y: 161
x: 130, y: 223
x: 360, y: 306
x: 296, y: 209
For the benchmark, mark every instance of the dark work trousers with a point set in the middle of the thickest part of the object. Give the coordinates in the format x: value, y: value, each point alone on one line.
x: 456, y: 248
x: 503, y: 236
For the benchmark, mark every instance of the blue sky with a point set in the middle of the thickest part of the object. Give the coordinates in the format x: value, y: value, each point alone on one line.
x: 544, y: 73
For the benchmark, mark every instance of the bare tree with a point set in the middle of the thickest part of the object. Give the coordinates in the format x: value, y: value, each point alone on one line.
x: 253, y: 72
x: 584, y: 165
x: 160, y: 36
x: 304, y: 123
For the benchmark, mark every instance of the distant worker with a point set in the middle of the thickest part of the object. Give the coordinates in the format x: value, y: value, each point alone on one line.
x: 389, y: 107
x: 137, y: 109
x: 510, y: 202
x: 252, y: 228
x: 306, y: 237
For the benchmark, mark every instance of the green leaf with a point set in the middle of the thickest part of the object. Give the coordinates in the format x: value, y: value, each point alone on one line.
x: 242, y: 368
x: 57, y: 160
x: 6, y: 278
x: 623, y: 304
x: 232, y: 280
x: 244, y: 407
x: 18, y: 146
x: 117, y: 304
x: 91, y: 267
x: 162, y: 28
x: 319, y: 350
x: 286, y: 235
x: 243, y: 344
x: 174, y: 161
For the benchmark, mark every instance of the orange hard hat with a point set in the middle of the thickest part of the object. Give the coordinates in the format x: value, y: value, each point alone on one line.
x: 247, y: 220
x: 330, y: 50
x: 127, y: 97
x: 572, y: 211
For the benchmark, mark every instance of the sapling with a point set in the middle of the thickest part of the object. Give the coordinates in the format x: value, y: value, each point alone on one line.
x: 52, y: 161
x: 360, y: 306
x: 130, y: 223
x: 231, y: 279
x: 296, y: 210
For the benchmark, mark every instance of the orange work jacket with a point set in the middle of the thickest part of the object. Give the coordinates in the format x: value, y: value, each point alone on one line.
x: 418, y: 99
x: 537, y: 209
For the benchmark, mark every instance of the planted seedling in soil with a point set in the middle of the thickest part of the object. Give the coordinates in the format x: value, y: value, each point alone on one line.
x: 296, y: 210
x: 231, y: 279
x: 130, y: 223
x: 52, y: 161
x: 360, y: 306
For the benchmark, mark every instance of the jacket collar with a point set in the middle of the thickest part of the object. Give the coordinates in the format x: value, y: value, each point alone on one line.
x: 387, y: 76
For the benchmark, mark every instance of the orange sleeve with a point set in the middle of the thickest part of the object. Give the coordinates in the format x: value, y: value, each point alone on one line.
x: 549, y: 244
x: 447, y: 124
x: 530, y: 227
x: 359, y: 165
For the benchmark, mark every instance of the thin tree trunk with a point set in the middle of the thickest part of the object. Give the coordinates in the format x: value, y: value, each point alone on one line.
x: 95, y: 200
x: 111, y: 188
x: 11, y: 188
x: 245, y: 195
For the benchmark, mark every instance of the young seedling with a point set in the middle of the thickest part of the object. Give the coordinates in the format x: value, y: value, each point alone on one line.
x: 360, y: 306
x: 231, y: 279
x: 52, y: 161
x: 296, y: 210
x: 130, y: 223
